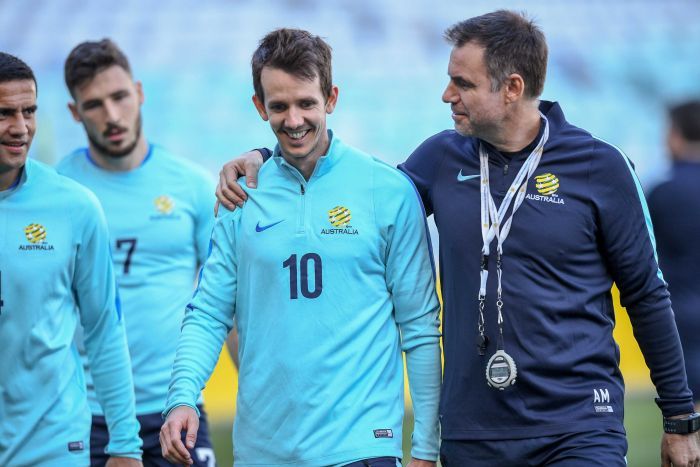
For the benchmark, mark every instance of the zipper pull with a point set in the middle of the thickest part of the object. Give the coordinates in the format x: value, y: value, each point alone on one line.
x: 303, y: 191
x: 505, y: 169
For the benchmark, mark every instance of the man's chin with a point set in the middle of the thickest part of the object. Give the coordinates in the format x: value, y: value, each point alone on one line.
x: 14, y: 161
x: 295, y: 152
x: 118, y: 154
x: 115, y: 151
x: 463, y: 131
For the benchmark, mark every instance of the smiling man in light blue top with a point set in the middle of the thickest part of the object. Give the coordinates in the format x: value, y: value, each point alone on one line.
x: 328, y: 272
x: 55, y: 271
x: 159, y: 213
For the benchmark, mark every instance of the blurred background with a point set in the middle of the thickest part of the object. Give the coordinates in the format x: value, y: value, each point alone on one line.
x: 614, y: 66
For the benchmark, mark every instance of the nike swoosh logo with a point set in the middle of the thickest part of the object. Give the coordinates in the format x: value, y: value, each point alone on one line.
x: 462, y: 178
x: 259, y: 228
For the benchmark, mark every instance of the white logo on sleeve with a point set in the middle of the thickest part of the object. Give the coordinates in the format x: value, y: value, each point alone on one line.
x: 601, y: 400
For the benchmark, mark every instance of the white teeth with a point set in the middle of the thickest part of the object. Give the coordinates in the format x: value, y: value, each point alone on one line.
x: 297, y: 134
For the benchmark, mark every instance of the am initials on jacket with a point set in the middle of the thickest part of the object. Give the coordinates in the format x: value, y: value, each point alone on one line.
x: 601, y: 396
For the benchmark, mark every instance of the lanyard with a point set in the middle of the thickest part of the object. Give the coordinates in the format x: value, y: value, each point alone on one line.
x: 492, y: 225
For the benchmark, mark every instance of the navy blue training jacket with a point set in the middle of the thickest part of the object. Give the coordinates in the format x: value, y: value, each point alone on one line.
x: 564, y: 251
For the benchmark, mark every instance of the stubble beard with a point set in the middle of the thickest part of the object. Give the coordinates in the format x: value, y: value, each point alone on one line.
x: 117, y: 153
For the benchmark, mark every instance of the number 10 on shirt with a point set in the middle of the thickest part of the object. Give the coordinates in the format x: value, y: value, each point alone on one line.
x: 299, y: 275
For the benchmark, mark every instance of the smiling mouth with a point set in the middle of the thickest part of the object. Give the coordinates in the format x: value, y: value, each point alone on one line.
x: 15, y: 146
x: 297, y: 135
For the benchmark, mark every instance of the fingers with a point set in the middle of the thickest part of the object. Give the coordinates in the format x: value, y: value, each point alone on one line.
x: 251, y: 168
x: 171, y: 445
x: 229, y: 181
x: 178, y: 450
x: 192, y: 427
x: 231, y: 195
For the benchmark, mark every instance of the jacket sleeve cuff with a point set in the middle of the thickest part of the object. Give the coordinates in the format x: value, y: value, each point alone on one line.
x: 671, y: 407
x: 175, y: 405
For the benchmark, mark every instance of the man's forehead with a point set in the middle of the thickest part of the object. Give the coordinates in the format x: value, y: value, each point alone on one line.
x: 109, y: 79
x: 274, y: 74
x: 17, y: 93
x: 284, y: 85
x: 468, y: 58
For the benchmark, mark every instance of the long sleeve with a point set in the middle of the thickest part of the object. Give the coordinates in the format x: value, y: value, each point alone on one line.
x: 105, y: 340
x: 208, y: 318
x: 629, y: 249
x: 204, y: 216
x: 410, y: 279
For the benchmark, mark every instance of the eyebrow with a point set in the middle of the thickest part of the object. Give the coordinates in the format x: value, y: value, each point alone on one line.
x: 90, y: 102
x: 11, y: 110
x: 461, y: 80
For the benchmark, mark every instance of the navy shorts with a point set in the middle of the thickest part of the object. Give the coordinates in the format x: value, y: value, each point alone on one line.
x: 376, y: 462
x: 202, y: 454
x: 599, y: 448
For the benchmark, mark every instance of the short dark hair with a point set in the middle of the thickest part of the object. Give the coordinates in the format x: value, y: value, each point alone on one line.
x: 685, y: 118
x: 512, y: 44
x: 294, y: 51
x: 14, y: 69
x: 89, y: 58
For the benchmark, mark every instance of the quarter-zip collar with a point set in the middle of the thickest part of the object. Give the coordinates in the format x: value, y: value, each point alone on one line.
x: 323, y: 165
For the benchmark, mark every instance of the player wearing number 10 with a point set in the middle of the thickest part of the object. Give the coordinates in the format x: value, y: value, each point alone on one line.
x: 159, y: 211
x: 327, y: 270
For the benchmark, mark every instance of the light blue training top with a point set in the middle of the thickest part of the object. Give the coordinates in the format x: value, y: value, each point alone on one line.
x: 329, y: 280
x: 160, y: 217
x: 56, y: 271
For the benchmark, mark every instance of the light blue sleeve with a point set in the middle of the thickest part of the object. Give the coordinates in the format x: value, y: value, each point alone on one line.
x: 411, y: 281
x: 105, y: 340
x: 208, y: 318
x: 204, y: 216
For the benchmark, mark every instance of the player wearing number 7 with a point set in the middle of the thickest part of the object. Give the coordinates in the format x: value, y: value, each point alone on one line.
x: 159, y: 212
x: 327, y: 270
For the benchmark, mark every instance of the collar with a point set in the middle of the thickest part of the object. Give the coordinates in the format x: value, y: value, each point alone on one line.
x: 324, y: 164
x: 552, y: 110
x: 143, y: 162
x: 20, y: 181
x: 555, y: 116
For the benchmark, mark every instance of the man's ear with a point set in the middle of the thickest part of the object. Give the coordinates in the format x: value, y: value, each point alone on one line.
x: 260, y: 107
x: 139, y: 91
x: 514, y: 88
x: 73, y: 107
x: 332, y: 100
